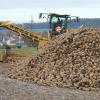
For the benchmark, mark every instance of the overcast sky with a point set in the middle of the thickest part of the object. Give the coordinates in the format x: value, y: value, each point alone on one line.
x: 22, y: 10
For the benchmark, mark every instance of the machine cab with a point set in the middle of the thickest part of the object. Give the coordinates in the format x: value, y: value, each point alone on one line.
x: 57, y: 20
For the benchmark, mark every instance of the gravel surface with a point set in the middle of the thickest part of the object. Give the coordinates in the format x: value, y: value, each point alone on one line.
x: 11, y: 89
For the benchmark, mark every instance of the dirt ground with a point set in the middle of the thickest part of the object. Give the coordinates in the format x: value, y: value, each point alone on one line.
x: 11, y: 89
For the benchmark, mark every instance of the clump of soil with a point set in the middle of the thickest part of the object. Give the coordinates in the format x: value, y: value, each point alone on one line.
x: 69, y: 60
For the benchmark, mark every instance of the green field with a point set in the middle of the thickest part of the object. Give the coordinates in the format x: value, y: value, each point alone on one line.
x: 1, y: 50
x: 24, y: 50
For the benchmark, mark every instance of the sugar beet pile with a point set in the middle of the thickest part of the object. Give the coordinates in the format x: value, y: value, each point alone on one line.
x: 70, y: 60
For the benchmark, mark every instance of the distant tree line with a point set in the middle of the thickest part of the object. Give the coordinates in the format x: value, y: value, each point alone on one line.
x: 83, y: 21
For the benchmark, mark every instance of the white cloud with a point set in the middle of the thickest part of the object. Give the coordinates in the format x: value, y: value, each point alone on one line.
x: 48, y: 3
x: 22, y: 10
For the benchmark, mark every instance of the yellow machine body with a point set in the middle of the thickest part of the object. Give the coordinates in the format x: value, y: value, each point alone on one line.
x: 39, y: 39
x: 25, y: 33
